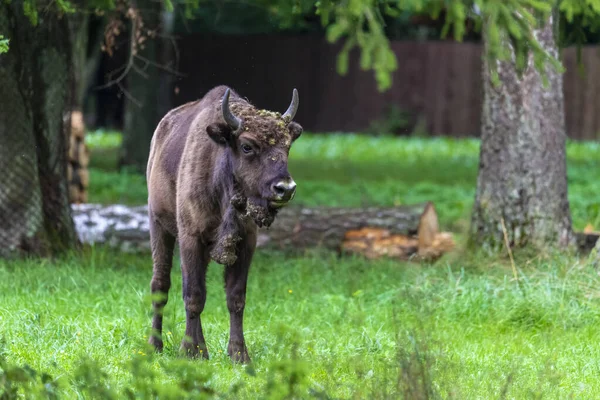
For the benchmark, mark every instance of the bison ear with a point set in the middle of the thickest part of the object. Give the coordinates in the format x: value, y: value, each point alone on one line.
x: 295, y: 130
x: 220, y: 133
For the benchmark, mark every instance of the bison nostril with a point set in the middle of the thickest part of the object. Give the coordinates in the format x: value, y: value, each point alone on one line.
x: 285, y: 189
x: 279, y: 188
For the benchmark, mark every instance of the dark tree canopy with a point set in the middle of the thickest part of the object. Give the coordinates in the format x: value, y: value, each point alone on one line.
x: 364, y: 23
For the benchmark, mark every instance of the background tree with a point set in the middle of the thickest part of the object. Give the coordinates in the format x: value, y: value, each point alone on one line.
x: 522, y: 182
x: 143, y: 82
x: 36, y: 91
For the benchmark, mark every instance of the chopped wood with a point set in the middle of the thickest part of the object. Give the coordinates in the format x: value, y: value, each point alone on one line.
x: 83, y: 176
x: 78, y: 160
x: 74, y: 194
x: 428, y: 226
x: 428, y: 244
x: 83, y: 154
x: 77, y: 125
x: 373, y: 232
x: 83, y: 196
x: 73, y: 149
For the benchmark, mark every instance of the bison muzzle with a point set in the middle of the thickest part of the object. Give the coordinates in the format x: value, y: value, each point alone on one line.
x: 217, y: 170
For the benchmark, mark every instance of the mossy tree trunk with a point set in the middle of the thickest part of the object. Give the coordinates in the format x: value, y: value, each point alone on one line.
x: 143, y: 85
x: 35, y: 97
x: 522, y: 172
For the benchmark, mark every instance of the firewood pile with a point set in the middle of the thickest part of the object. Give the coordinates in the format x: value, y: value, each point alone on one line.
x: 426, y: 244
x: 78, y: 175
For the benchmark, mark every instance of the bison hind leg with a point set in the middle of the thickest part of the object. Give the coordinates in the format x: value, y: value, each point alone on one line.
x: 163, y: 244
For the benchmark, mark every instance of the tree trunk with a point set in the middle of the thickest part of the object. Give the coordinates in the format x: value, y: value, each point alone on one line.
x: 522, y: 182
x: 79, y: 30
x: 35, y: 96
x: 143, y: 85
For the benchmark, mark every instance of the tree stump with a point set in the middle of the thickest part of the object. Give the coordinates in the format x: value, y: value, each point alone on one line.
x: 78, y: 160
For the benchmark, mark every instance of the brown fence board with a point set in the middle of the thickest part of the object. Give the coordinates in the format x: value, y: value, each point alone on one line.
x: 438, y: 81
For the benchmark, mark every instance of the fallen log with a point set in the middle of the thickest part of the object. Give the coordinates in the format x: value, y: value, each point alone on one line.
x: 403, y: 232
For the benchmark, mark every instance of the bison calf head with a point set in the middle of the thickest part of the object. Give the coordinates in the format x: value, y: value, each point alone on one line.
x: 258, y: 143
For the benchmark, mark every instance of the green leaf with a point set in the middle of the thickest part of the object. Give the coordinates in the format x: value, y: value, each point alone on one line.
x: 3, y: 44
x: 342, y: 60
x: 337, y: 30
x: 30, y: 11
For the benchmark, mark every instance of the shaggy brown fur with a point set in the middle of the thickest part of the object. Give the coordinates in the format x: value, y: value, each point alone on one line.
x: 209, y: 187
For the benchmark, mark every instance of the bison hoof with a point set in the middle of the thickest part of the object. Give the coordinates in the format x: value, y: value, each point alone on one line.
x: 191, y: 350
x: 157, y: 343
x: 238, y: 353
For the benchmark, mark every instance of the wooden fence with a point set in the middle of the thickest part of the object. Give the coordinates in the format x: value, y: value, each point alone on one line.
x: 437, y: 81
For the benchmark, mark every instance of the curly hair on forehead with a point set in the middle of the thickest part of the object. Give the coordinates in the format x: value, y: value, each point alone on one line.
x: 269, y: 126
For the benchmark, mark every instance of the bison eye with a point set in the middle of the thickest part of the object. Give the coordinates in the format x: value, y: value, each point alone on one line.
x: 246, y: 148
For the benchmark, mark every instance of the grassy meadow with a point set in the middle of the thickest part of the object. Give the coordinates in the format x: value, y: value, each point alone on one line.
x: 355, y: 170
x: 318, y: 326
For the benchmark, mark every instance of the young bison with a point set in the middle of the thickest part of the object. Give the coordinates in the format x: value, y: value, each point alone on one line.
x: 217, y: 170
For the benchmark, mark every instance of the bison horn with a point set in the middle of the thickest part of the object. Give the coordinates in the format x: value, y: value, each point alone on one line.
x: 291, y: 111
x: 233, y: 121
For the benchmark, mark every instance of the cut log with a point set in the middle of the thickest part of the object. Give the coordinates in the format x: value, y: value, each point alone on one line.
x: 77, y: 125
x: 83, y: 154
x: 427, y: 244
x: 79, y: 159
x: 83, y: 176
x: 83, y: 196
x: 372, y: 232
x: 73, y: 149
x: 69, y: 172
x: 74, y: 194
x: 300, y: 228
x: 401, y: 232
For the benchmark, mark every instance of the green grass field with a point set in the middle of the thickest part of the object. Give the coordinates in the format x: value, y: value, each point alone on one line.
x: 318, y: 326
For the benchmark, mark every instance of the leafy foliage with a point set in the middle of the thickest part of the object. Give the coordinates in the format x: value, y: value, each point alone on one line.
x: 362, y: 23
x: 508, y: 25
x: 3, y: 44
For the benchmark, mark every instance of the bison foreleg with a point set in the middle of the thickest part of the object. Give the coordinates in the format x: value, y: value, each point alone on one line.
x: 236, y: 278
x: 225, y: 249
x: 194, y: 261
